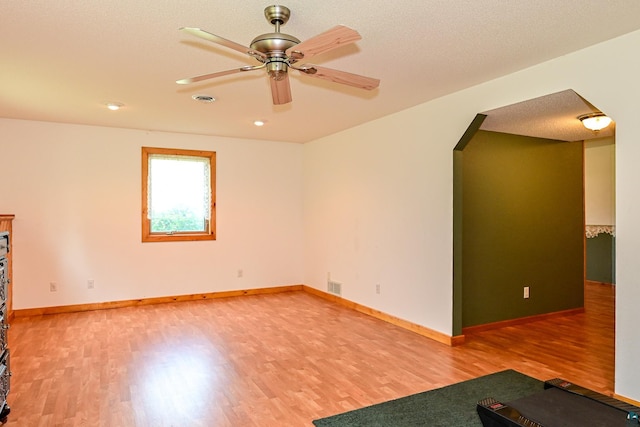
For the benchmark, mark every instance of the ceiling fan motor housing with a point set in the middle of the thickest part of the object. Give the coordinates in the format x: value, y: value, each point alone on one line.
x: 274, y: 43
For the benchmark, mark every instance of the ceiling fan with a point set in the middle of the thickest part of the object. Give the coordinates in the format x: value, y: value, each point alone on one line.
x: 277, y: 52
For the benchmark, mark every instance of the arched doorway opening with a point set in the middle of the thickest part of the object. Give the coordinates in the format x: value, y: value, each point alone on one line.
x: 529, y: 183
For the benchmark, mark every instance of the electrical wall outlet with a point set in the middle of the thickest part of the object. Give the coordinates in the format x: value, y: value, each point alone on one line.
x: 377, y: 288
x: 53, y: 287
x: 526, y: 292
x: 90, y: 284
x: 240, y: 273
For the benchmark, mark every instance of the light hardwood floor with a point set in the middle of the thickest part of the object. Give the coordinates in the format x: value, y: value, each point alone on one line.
x: 271, y: 360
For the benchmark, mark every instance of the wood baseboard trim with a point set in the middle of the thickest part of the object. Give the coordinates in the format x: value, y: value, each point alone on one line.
x: 413, y: 327
x: 626, y: 399
x: 592, y: 282
x: 421, y: 330
x: 520, y: 321
x: 457, y: 340
x: 150, y: 301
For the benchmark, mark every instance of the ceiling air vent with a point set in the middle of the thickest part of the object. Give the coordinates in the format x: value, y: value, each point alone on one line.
x: 203, y: 98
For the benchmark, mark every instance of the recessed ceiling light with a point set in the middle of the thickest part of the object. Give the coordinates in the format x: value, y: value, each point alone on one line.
x: 204, y: 98
x: 259, y: 123
x: 114, y: 106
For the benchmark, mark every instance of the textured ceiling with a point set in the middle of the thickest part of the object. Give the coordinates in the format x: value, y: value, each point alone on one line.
x: 63, y: 60
x: 552, y: 116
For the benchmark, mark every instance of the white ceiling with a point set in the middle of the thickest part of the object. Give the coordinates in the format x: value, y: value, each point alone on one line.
x: 63, y: 60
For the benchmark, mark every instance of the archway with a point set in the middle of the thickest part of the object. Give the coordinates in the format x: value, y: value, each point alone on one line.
x: 538, y: 123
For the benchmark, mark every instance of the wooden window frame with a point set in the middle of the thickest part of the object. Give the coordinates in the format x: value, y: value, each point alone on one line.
x: 147, y: 235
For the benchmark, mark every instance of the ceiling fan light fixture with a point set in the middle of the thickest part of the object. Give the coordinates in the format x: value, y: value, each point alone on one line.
x: 277, y: 70
x: 595, y: 121
x: 277, y: 75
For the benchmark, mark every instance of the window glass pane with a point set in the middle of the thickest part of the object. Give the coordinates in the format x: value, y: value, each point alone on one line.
x: 179, y: 193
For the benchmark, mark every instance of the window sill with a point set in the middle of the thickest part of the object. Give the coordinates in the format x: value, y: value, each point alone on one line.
x: 183, y: 237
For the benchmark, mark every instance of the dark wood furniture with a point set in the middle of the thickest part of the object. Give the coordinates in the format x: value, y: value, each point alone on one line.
x: 5, y: 370
x: 6, y: 311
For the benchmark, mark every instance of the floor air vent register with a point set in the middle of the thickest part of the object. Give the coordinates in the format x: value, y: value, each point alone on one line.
x: 334, y: 287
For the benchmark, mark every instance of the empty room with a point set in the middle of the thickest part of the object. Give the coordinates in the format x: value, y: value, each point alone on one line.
x: 329, y: 214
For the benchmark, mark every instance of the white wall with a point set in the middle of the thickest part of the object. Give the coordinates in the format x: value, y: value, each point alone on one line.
x: 378, y: 211
x: 378, y: 198
x: 75, y: 191
x: 599, y: 181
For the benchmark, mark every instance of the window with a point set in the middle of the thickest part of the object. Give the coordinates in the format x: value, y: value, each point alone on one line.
x: 178, y: 195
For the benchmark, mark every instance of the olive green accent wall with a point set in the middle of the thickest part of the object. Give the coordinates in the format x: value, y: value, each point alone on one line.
x: 601, y: 258
x: 457, y: 219
x: 522, y: 225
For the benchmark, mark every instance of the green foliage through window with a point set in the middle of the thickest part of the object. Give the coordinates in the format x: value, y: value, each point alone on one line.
x: 176, y: 220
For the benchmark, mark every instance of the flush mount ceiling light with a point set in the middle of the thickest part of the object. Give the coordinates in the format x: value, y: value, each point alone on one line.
x: 595, y: 121
x: 259, y: 123
x: 114, y: 106
x: 204, y: 98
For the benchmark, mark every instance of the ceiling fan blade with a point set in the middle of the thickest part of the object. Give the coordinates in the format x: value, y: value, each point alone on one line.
x: 324, y: 42
x: 218, y: 74
x: 336, y: 76
x: 222, y: 41
x: 281, y: 90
